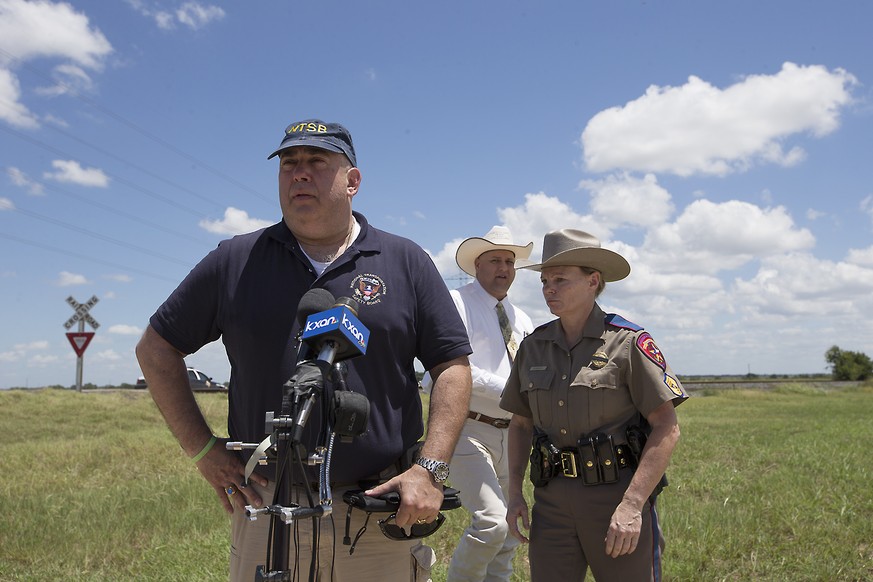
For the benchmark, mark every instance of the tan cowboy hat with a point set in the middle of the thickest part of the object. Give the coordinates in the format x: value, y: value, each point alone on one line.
x: 497, y: 239
x: 568, y: 247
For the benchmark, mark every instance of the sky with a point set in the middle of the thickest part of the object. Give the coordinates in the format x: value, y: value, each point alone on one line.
x: 723, y: 148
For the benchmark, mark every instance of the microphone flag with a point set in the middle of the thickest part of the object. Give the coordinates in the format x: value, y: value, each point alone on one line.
x: 341, y: 325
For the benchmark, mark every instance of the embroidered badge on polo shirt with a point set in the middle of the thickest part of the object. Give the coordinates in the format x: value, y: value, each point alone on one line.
x: 648, y: 347
x: 368, y: 289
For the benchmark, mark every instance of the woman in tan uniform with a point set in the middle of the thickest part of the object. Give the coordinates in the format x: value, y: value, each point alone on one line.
x: 595, y: 396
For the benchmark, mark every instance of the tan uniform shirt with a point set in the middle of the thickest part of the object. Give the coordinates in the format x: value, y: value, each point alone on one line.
x: 601, y: 384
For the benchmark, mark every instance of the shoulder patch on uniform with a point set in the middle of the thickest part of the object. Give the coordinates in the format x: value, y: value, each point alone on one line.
x: 648, y: 347
x: 616, y: 320
x: 673, y: 385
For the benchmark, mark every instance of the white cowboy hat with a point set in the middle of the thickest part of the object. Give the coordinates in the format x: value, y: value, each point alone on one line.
x: 497, y: 239
x: 568, y: 247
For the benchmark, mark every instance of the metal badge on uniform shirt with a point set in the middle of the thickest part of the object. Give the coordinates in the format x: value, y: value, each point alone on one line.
x: 598, y: 360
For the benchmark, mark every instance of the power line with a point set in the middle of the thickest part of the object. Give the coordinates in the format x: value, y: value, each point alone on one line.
x: 84, y: 257
x: 131, y: 125
x: 132, y: 217
x: 118, y: 179
x: 102, y: 237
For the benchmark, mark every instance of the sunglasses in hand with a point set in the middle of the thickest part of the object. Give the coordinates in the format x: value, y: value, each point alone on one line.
x: 392, y: 531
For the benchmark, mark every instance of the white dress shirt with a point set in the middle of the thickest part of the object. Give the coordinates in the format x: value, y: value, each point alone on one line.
x: 489, y: 362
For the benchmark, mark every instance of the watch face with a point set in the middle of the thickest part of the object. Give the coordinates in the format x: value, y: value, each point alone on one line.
x: 441, y: 472
x: 438, y: 469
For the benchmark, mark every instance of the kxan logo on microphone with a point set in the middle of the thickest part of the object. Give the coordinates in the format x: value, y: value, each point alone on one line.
x: 338, y: 320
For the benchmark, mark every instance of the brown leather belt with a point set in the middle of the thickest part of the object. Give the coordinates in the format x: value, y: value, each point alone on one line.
x: 495, y: 422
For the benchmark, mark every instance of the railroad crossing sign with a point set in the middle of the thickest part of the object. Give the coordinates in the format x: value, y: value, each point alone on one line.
x: 82, y: 310
x: 80, y: 339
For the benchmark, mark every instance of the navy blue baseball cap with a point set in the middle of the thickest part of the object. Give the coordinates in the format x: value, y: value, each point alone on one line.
x: 315, y: 133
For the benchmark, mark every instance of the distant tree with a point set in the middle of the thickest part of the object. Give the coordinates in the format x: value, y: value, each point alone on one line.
x: 847, y: 365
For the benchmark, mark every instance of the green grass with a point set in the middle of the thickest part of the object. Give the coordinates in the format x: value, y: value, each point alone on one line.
x: 765, y: 485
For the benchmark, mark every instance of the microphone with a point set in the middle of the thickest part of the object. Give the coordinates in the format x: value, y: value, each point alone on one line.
x: 312, y: 302
x: 337, y: 333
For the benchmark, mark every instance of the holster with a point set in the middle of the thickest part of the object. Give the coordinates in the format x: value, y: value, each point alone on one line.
x: 544, y: 460
x: 636, y: 440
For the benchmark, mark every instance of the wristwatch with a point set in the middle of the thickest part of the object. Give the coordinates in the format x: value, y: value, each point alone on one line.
x: 438, y: 469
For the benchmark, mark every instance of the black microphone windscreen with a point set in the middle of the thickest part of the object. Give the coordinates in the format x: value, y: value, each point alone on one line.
x: 313, y: 301
x: 351, y: 304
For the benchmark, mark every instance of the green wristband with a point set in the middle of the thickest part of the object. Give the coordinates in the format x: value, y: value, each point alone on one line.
x: 205, y: 450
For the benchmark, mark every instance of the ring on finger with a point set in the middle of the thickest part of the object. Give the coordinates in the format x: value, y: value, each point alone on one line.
x: 420, y: 521
x: 230, y: 490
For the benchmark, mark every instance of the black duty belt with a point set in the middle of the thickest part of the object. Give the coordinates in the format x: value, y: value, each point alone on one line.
x: 595, y: 459
x: 495, y: 422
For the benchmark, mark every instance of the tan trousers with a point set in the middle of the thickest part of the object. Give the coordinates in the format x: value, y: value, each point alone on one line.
x: 480, y: 470
x: 376, y: 557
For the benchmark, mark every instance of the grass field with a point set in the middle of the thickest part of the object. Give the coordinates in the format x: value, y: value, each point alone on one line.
x: 771, y: 485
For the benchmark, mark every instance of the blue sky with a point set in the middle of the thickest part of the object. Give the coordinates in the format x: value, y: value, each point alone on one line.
x: 722, y: 147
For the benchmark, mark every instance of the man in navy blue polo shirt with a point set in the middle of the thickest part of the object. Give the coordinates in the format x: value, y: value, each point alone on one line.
x: 247, y: 291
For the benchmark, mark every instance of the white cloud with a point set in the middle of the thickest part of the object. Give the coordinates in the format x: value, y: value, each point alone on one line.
x: 700, y: 129
x: 624, y: 200
x: 813, y: 214
x: 35, y: 345
x: 866, y: 206
x: 69, y: 79
x: 235, y: 221
x: 11, y: 357
x: 105, y: 356
x: 710, y: 283
x: 33, y: 30
x: 41, y: 361
x: 196, y: 15
x: 70, y: 171
x: 862, y: 257
x: 542, y: 213
x: 21, y: 179
x: 709, y: 237
x: 121, y: 278
x: 192, y: 14
x: 121, y: 329
x: 6, y: 204
x: 11, y: 110
x: 67, y: 279
x: 798, y: 284
x: 164, y: 20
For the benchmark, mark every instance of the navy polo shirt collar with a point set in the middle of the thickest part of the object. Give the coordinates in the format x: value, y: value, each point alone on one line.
x: 366, y: 241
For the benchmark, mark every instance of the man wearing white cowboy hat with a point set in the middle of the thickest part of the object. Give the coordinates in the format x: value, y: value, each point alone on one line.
x: 596, y: 397
x: 479, y: 467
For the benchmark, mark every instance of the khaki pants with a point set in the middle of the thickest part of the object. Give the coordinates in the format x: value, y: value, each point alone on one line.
x: 480, y: 470
x: 376, y: 557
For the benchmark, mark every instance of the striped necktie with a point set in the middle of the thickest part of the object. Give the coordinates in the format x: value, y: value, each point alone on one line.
x: 506, y: 329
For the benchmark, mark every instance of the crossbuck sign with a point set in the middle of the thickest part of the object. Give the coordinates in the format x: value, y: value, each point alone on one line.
x: 82, y: 310
x: 80, y: 339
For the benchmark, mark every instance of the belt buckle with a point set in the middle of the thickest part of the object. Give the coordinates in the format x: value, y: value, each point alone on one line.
x: 500, y: 423
x: 568, y: 464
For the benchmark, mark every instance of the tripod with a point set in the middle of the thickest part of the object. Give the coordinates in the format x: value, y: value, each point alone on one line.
x: 284, y: 447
